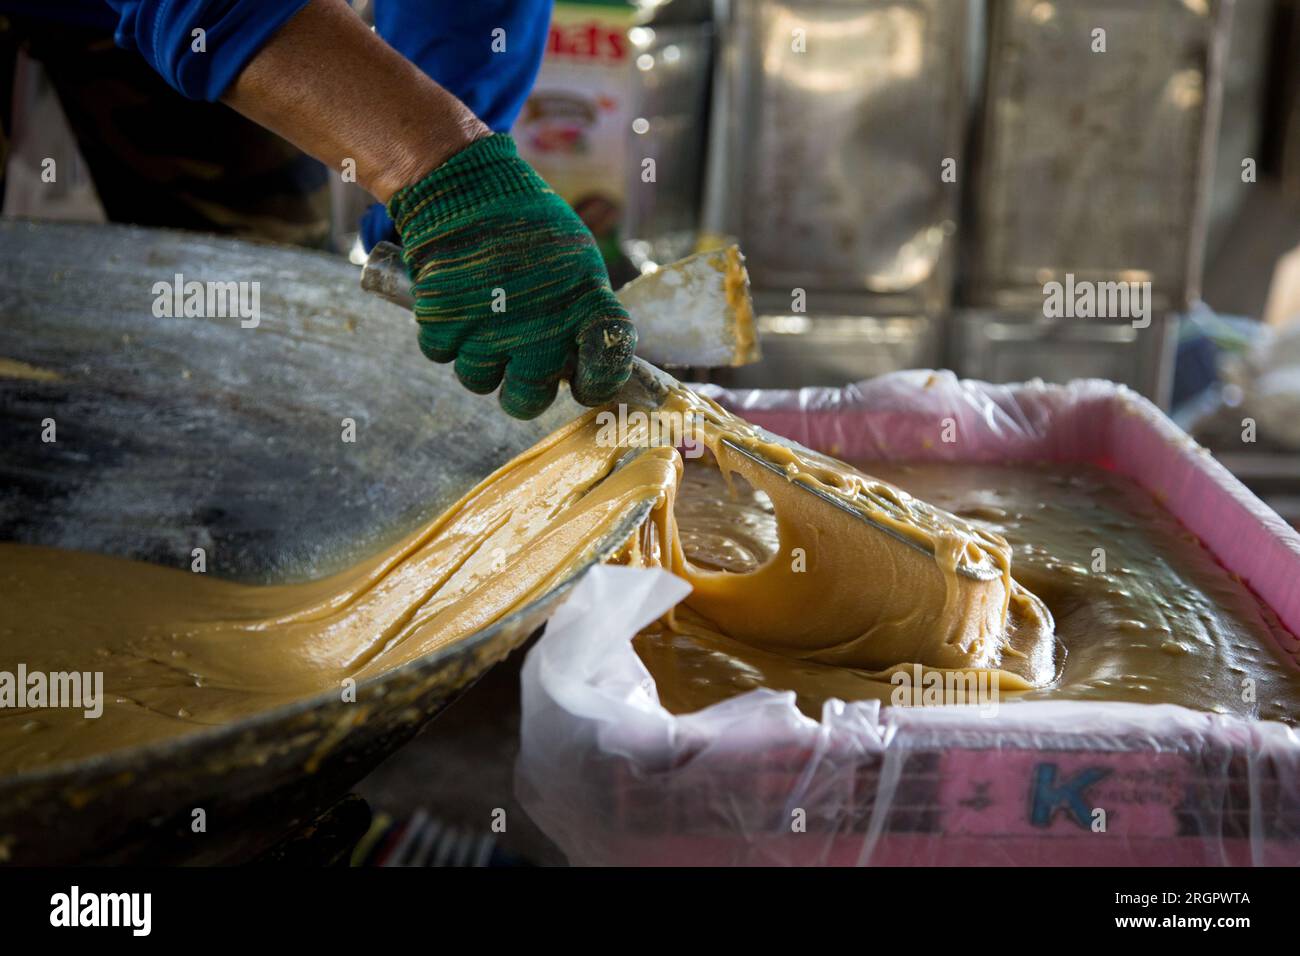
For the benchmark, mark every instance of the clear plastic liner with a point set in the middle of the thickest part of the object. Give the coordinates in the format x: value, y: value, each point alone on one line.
x: 614, y: 778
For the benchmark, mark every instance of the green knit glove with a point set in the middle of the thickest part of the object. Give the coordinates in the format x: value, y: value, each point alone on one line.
x: 508, y: 282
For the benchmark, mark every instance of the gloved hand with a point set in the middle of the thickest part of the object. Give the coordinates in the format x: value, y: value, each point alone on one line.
x: 508, y: 282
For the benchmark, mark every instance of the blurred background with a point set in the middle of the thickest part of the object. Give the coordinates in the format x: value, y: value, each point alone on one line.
x: 905, y: 176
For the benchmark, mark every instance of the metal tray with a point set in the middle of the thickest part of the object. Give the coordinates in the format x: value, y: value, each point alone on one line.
x: 1096, y: 163
x: 832, y: 121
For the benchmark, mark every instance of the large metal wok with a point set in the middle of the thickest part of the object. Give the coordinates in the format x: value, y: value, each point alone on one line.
x: 177, y: 433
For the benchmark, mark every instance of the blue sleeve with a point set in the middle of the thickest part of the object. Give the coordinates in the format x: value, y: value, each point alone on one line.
x: 162, y: 31
x: 452, y: 41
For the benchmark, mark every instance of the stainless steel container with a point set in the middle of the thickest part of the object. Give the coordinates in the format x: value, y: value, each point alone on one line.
x: 833, y: 119
x: 1006, y: 346
x: 1242, y: 119
x: 833, y: 349
x: 1096, y: 163
x: 671, y: 63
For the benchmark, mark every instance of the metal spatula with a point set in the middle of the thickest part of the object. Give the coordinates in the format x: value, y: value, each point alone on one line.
x: 686, y: 315
x: 694, y: 312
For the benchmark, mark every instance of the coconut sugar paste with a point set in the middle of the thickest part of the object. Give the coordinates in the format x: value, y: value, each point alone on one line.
x: 1142, y: 611
x: 788, y: 592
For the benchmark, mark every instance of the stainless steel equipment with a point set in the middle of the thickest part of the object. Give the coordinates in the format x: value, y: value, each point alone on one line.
x: 834, y: 349
x: 1094, y: 159
x: 1011, y: 346
x: 650, y: 387
x: 1095, y: 163
x: 836, y: 119
x: 834, y: 124
x: 1242, y: 118
x: 671, y: 65
x: 692, y: 313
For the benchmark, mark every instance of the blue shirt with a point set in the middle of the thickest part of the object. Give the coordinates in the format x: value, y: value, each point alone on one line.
x: 450, y: 40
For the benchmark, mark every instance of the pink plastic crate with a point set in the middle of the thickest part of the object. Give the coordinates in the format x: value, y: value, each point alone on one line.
x: 612, y: 781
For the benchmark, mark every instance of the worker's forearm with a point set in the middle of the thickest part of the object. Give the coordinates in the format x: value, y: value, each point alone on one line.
x: 329, y: 85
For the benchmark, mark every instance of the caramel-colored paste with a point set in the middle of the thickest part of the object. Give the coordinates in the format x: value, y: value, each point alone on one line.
x: 1142, y: 611
x: 833, y: 598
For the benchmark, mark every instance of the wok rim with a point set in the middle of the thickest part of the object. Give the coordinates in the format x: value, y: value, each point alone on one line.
x: 128, y: 759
